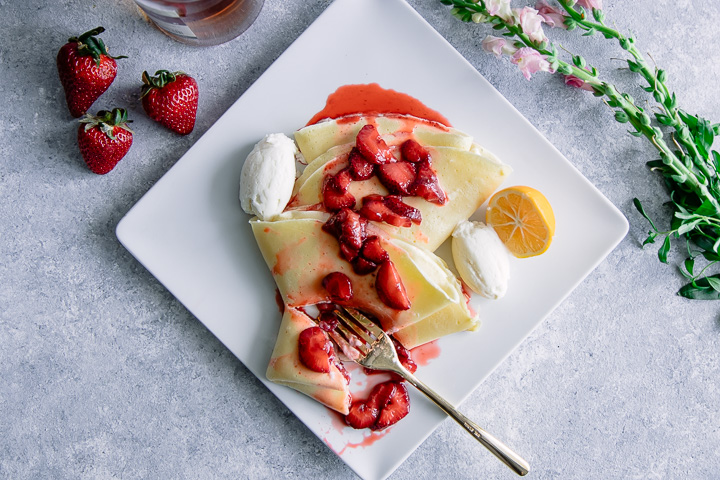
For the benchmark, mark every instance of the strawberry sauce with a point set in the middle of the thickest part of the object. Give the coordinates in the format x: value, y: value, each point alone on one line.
x: 372, y: 99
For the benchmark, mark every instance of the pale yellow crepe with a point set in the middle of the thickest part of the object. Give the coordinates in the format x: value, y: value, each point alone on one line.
x: 286, y: 368
x: 314, y: 140
x: 467, y: 177
x: 300, y: 254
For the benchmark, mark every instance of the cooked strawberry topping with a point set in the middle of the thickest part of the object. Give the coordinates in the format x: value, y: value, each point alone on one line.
x: 390, y: 287
x: 334, y: 197
x: 389, y: 209
x: 360, y: 169
x: 316, y: 350
x: 397, y: 177
x: 426, y: 184
x: 397, y: 205
x: 339, y: 286
x: 363, y: 266
x: 372, y: 250
x: 412, y: 151
x: 348, y: 227
x: 396, y: 407
x: 372, y: 146
x: 387, y: 404
x: 327, y: 321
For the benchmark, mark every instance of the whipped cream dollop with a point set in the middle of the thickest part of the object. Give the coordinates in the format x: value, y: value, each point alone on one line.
x: 481, y: 259
x: 268, y: 176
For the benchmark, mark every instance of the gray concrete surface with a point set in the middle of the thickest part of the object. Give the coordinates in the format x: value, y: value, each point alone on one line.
x: 103, y: 374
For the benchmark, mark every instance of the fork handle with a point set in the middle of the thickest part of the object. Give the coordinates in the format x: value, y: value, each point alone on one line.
x: 496, y: 447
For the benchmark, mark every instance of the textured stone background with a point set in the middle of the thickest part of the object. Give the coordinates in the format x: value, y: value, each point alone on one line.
x: 103, y: 374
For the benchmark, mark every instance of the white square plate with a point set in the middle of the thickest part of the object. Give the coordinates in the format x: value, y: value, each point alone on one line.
x: 190, y: 232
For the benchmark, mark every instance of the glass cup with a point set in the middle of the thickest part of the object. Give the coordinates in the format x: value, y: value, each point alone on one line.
x: 201, y: 22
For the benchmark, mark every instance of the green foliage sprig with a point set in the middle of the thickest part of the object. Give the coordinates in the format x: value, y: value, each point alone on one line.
x: 684, y: 142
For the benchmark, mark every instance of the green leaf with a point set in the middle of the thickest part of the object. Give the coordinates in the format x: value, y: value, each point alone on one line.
x: 641, y: 209
x: 650, y: 238
x: 664, y: 249
x: 635, y: 134
x: 701, y: 289
x: 690, y: 265
x: 706, y: 209
x: 590, y: 32
x: 687, y: 227
x: 579, y: 61
x: 714, y: 283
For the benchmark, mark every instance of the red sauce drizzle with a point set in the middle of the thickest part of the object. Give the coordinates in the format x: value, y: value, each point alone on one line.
x: 372, y: 99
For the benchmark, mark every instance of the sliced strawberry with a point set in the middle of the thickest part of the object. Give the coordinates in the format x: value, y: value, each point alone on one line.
x: 362, y: 266
x: 412, y: 151
x: 397, y: 177
x: 316, y: 350
x: 372, y: 146
x: 339, y: 286
x: 334, y: 200
x: 327, y: 321
x: 362, y: 414
x: 348, y: 253
x: 426, y: 185
x: 373, y: 251
x: 341, y: 180
x: 352, y: 231
x: 395, y: 407
x: 396, y: 204
x: 390, y: 287
x: 360, y: 169
x: 374, y: 208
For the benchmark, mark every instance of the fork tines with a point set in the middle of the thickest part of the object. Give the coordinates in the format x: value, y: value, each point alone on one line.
x: 358, y: 330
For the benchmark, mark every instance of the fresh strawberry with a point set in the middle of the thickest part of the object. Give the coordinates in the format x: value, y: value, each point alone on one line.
x: 315, y: 349
x: 397, y: 205
x: 372, y: 146
x: 335, y: 200
x: 387, y: 404
x: 390, y: 287
x: 360, y: 169
x: 86, y: 70
x: 412, y: 151
x: 104, y: 139
x: 171, y: 98
x: 375, y: 208
x: 426, y: 185
x: 395, y: 407
x: 373, y: 250
x: 397, y: 177
x: 339, y: 286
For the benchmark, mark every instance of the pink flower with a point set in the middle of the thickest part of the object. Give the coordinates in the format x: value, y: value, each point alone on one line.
x: 577, y: 82
x: 590, y: 4
x: 531, y: 24
x: 499, y: 8
x: 497, y: 46
x: 530, y: 61
x: 554, y: 17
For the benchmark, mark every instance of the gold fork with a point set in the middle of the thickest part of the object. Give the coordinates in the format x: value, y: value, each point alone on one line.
x: 377, y: 352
